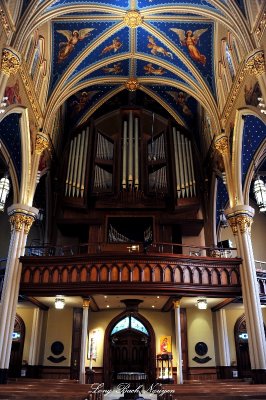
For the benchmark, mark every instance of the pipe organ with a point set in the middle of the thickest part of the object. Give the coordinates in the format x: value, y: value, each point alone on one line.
x: 77, y: 162
x: 134, y: 153
x: 184, y: 169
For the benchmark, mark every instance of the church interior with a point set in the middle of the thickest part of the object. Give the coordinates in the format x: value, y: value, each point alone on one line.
x: 133, y: 191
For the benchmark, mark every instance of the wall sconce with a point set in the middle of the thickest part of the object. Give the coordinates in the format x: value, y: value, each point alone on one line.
x: 4, y: 191
x: 259, y: 191
x: 202, y: 303
x: 223, y: 220
x: 59, y: 302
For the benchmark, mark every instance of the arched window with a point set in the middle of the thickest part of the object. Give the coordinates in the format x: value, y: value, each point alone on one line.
x: 129, y: 322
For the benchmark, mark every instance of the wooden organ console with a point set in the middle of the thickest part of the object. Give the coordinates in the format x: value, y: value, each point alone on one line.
x: 127, y: 162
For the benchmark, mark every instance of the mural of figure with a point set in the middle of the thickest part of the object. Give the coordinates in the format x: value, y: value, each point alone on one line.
x: 81, y: 101
x: 66, y: 48
x: 116, y: 44
x: 181, y: 100
x: 12, y: 94
x: 190, y: 39
x: 164, y: 345
x: 252, y: 94
x: 115, y: 69
x: 151, y: 70
x: 155, y: 49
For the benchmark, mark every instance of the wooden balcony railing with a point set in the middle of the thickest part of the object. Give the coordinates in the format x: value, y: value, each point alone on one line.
x: 131, y: 271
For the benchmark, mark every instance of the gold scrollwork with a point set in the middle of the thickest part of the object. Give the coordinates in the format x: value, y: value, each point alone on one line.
x: 10, y: 62
x: 18, y: 220
x: 28, y: 221
x: 41, y: 143
x: 222, y: 145
x: 176, y: 303
x: 5, y: 21
x: 244, y: 222
x: 133, y: 19
x: 255, y: 65
x: 132, y: 84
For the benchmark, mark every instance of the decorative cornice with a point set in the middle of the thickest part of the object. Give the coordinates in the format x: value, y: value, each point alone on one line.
x: 133, y: 19
x: 10, y: 61
x: 222, y: 145
x: 132, y: 84
x: 31, y: 93
x: 41, y: 143
x: 255, y: 64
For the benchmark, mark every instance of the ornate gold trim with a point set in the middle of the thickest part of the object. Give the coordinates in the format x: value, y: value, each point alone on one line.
x: 18, y: 220
x: 5, y: 22
x: 222, y: 145
x: 244, y: 222
x: 176, y: 303
x: 233, y: 224
x: 255, y: 64
x: 86, y: 303
x: 132, y: 84
x: 261, y: 26
x: 28, y: 221
x: 10, y: 62
x: 41, y: 143
x: 133, y: 19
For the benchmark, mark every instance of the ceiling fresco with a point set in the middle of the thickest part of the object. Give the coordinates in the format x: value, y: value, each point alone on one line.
x: 98, y: 43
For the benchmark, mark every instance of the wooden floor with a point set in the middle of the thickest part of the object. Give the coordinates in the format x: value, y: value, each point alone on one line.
x: 49, y: 389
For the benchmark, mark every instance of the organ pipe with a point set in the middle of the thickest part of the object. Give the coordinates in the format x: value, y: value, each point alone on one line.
x: 71, y: 166
x: 80, y: 162
x: 130, y: 150
x: 136, y: 153
x: 68, y: 167
x: 124, y: 179
x: 76, y: 167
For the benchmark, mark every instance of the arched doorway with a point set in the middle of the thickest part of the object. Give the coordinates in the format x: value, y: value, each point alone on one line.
x: 17, y: 348
x: 242, y: 350
x: 129, y: 345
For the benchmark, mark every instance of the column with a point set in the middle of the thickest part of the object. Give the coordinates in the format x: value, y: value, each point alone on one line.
x: 223, y: 342
x: 35, y: 343
x: 21, y: 219
x: 10, y: 64
x: 84, y: 337
x: 179, y: 372
x: 240, y: 219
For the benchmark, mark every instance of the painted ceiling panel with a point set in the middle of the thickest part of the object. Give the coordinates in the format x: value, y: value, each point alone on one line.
x: 183, y: 104
x: 253, y: 135
x: 117, y: 44
x: 70, y: 39
x: 116, y: 69
x: 113, y: 3
x: 152, y: 46
x: 147, y: 69
x: 195, y: 40
x: 148, y: 3
x: 85, y: 99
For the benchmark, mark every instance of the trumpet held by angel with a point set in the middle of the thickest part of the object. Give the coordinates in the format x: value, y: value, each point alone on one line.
x: 190, y: 39
x: 73, y: 37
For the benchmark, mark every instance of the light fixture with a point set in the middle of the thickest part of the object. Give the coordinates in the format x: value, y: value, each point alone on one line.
x: 4, y: 191
x: 259, y: 191
x: 262, y: 105
x: 222, y: 218
x: 202, y: 303
x: 3, y: 104
x: 59, y: 302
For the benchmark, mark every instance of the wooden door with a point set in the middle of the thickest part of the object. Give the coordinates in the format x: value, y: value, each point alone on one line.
x: 242, y: 350
x: 15, y: 362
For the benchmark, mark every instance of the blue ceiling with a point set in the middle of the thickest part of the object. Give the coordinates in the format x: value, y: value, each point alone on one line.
x: 92, y: 44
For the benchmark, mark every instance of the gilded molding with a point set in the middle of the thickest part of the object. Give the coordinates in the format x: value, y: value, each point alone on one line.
x: 244, y: 222
x: 5, y: 22
x: 222, y: 145
x: 133, y: 19
x: 132, y: 84
x: 28, y: 221
x: 31, y: 94
x: 233, y: 224
x: 261, y: 26
x: 255, y: 65
x: 18, y: 220
x: 10, y: 62
x: 41, y: 143
x: 176, y: 303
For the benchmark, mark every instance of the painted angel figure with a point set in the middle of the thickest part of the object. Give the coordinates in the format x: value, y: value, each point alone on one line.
x: 115, y: 69
x: 149, y: 68
x: 181, y: 99
x: 190, y: 39
x: 115, y: 45
x: 155, y: 49
x: 65, y: 48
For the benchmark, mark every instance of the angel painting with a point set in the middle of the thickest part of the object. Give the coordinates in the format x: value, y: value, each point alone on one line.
x: 81, y: 100
x: 155, y: 49
x: 115, y: 69
x: 181, y: 100
x: 66, y: 48
x: 190, y: 39
x: 114, y: 46
x: 149, y: 69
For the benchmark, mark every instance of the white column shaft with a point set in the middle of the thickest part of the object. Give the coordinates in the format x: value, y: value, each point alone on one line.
x: 83, y: 353
x: 179, y: 372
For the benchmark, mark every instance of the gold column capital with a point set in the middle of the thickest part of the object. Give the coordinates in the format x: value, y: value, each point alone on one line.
x: 244, y: 222
x: 28, y: 221
x: 42, y: 143
x: 17, y: 221
x: 86, y: 303
x: 241, y: 217
x: 176, y: 303
x: 11, y: 61
x: 222, y: 144
x: 255, y: 64
x: 233, y: 224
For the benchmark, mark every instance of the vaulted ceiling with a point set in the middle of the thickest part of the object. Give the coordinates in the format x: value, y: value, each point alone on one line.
x: 168, y: 46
